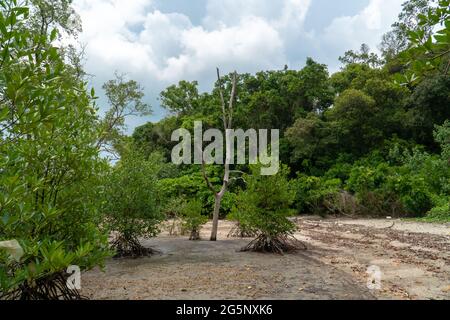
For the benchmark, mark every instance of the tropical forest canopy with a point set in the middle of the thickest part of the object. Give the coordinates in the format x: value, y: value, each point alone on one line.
x: 375, y: 132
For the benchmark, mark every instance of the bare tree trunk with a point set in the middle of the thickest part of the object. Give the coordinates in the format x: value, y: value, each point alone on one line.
x: 215, y: 226
x: 227, y: 124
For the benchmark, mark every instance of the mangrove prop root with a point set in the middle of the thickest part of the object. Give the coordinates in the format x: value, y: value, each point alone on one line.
x: 195, y: 235
x: 52, y: 287
x: 278, y: 244
x: 130, y: 247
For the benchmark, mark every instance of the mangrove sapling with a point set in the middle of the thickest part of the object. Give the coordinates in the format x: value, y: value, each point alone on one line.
x: 131, y: 204
x: 265, y: 207
x: 173, y: 212
x: 241, y: 229
x: 193, y: 218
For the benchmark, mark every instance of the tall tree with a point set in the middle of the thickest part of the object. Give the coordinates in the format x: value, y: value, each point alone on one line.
x: 397, y: 40
x: 47, y: 15
x: 125, y: 99
x: 227, y: 118
x: 363, y: 56
x: 181, y: 99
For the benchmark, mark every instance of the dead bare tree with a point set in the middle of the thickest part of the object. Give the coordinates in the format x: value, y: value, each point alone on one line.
x: 227, y: 115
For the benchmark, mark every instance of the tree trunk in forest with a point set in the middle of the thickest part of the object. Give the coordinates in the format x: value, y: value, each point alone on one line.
x: 227, y: 124
x: 215, y: 226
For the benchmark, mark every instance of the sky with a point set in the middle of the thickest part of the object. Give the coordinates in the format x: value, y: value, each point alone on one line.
x: 160, y: 42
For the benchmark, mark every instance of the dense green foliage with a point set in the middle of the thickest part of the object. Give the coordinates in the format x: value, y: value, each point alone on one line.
x: 372, y: 139
x: 193, y: 218
x: 263, y: 210
x: 429, y: 45
x: 132, y: 201
x: 367, y: 140
x: 50, y: 169
x: 264, y: 206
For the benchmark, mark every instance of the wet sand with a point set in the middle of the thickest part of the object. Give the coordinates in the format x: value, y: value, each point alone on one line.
x: 414, y: 266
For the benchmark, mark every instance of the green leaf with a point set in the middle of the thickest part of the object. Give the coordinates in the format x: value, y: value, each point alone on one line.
x: 2, y: 25
x: 3, y: 113
x: 21, y: 11
x: 441, y: 39
x: 54, y: 34
x: 12, y: 19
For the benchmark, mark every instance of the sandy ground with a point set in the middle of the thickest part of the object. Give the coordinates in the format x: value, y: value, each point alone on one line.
x: 414, y: 259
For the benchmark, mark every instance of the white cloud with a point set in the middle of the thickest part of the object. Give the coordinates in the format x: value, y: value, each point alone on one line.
x: 109, y: 16
x: 293, y: 15
x: 167, y: 47
x: 250, y: 45
x: 276, y: 13
x: 220, y: 13
x: 159, y: 48
x: 368, y: 26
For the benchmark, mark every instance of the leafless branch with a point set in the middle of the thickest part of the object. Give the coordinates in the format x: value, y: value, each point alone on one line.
x: 232, y: 98
x: 222, y: 101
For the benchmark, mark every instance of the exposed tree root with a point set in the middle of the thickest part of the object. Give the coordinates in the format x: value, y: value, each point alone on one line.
x: 53, y: 287
x: 279, y: 244
x: 238, y: 232
x: 130, y: 247
x: 195, y: 235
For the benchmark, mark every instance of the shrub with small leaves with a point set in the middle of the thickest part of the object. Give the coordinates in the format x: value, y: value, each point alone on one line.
x: 264, y: 207
x: 132, y: 203
x: 193, y: 218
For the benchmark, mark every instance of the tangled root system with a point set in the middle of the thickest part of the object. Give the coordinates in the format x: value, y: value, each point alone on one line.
x: 279, y: 244
x: 52, y: 287
x: 130, y: 247
x: 195, y: 235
